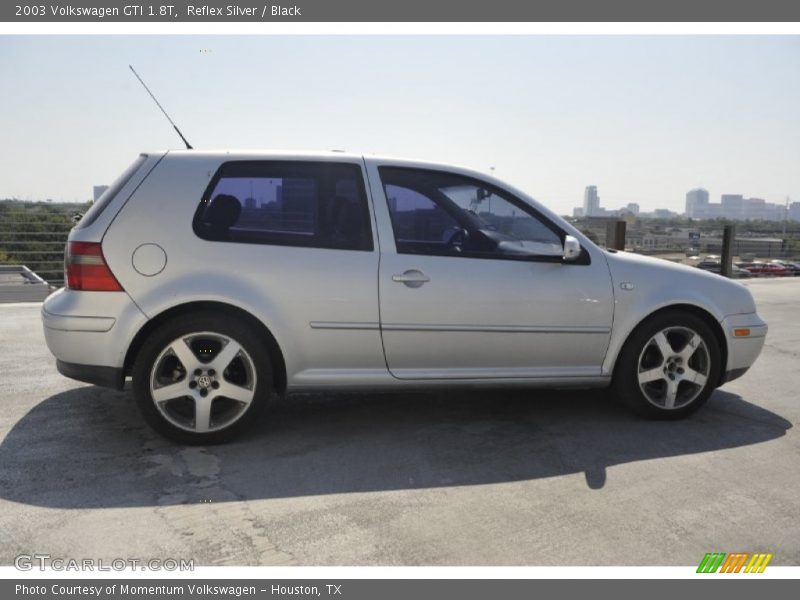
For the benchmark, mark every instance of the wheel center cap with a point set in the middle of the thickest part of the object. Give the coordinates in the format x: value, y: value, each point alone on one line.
x: 204, y: 381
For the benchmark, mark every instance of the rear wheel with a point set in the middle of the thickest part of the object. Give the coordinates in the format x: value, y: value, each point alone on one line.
x: 202, y: 378
x: 669, y: 366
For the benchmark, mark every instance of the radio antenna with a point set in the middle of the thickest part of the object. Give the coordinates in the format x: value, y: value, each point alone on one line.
x: 178, y: 131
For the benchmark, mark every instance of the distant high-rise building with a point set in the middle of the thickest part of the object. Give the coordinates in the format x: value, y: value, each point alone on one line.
x: 732, y: 205
x: 591, y: 201
x: 98, y: 191
x: 633, y: 208
x: 756, y: 208
x: 697, y: 203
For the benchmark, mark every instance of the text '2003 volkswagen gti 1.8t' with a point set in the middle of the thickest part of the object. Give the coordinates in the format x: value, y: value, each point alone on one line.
x: 214, y: 279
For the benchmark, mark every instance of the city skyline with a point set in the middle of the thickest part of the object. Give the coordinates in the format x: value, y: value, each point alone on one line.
x: 698, y: 205
x: 548, y: 113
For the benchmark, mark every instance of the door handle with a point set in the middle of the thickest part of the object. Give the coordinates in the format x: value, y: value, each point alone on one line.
x: 412, y: 278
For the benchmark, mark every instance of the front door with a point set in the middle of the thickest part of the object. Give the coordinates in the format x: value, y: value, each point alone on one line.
x: 475, y: 286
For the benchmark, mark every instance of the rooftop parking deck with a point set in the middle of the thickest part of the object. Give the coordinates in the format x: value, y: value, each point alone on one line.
x: 446, y: 478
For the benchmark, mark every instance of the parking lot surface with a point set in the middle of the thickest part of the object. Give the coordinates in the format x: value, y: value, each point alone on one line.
x: 447, y: 478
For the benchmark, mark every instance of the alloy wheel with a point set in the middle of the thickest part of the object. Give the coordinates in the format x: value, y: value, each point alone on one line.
x: 203, y: 382
x: 674, y: 366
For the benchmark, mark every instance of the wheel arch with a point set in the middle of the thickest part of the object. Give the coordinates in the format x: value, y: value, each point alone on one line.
x: 695, y: 310
x: 276, y: 355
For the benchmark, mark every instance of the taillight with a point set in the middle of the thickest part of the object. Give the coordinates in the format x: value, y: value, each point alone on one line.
x: 86, y: 269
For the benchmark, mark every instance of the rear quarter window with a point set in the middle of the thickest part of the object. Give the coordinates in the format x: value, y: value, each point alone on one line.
x: 312, y: 204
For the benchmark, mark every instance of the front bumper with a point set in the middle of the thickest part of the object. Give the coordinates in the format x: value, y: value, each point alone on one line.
x: 745, y: 335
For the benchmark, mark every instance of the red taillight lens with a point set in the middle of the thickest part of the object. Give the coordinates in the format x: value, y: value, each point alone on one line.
x: 86, y: 269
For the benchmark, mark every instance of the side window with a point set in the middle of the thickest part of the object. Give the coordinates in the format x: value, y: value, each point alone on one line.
x: 500, y: 215
x: 315, y: 204
x: 417, y: 218
x: 442, y: 213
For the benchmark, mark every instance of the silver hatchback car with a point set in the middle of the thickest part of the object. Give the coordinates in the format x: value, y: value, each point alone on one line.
x: 215, y: 279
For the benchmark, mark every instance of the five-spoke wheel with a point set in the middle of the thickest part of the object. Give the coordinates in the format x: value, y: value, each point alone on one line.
x: 201, y: 377
x: 673, y: 367
x: 669, y: 366
x: 203, y: 381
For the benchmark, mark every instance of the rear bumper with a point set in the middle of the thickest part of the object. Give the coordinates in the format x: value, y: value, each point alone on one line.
x: 72, y: 323
x: 89, y: 332
x: 105, y: 376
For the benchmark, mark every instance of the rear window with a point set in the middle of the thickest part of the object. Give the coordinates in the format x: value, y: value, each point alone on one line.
x: 103, y: 201
x: 314, y: 204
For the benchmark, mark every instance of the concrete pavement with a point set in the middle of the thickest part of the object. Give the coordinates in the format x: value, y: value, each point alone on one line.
x: 497, y: 478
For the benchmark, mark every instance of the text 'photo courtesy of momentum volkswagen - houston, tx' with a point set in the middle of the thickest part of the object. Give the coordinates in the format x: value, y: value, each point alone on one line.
x: 216, y: 280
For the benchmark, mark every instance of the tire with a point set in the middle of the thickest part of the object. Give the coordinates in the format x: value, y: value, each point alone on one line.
x: 217, y: 394
x: 673, y: 386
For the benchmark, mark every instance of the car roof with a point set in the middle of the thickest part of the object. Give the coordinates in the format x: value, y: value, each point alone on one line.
x: 253, y: 153
x: 324, y: 155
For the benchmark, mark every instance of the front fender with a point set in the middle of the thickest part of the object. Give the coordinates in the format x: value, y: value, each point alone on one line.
x: 644, y: 286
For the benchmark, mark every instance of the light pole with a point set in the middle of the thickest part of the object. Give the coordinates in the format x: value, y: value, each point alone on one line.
x: 785, y: 215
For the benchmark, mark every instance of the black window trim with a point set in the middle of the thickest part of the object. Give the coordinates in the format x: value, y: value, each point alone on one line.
x: 287, y: 239
x: 583, y: 259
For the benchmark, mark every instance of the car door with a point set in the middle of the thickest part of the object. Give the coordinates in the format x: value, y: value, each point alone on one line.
x: 472, y: 283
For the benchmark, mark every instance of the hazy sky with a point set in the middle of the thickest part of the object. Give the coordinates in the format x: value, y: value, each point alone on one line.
x: 643, y: 118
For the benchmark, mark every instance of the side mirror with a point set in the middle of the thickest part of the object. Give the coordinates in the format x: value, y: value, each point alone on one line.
x: 572, y: 248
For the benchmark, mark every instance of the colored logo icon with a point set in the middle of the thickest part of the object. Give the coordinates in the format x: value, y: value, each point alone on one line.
x: 738, y: 562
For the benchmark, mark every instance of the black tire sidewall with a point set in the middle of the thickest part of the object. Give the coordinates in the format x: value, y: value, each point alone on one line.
x: 626, y: 384
x: 189, y: 323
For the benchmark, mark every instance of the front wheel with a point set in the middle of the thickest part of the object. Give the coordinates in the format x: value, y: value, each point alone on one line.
x: 202, y: 378
x: 669, y: 366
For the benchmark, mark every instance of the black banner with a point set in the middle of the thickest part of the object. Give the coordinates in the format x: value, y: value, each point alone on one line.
x: 255, y: 11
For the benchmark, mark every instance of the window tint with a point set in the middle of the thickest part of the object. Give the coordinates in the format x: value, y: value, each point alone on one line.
x: 286, y: 203
x: 498, y: 214
x: 105, y: 199
x: 441, y: 213
x: 416, y: 217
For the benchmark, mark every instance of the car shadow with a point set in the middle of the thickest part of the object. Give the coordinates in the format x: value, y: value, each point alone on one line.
x: 88, y: 447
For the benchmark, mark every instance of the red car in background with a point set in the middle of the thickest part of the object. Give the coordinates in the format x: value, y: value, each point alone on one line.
x: 762, y: 269
x: 792, y: 267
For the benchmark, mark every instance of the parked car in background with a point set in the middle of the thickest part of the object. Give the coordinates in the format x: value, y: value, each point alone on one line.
x: 792, y: 267
x: 765, y: 269
x: 218, y: 280
x: 716, y: 267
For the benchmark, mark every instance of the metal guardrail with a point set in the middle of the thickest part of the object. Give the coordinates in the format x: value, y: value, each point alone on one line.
x: 36, y: 239
x: 20, y: 284
x: 652, y: 237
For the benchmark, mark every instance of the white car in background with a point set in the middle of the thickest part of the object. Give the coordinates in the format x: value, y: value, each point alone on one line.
x: 214, y: 279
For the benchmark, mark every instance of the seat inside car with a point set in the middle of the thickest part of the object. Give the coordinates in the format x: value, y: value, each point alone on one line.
x: 346, y: 223
x: 222, y: 213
